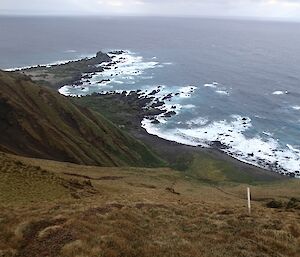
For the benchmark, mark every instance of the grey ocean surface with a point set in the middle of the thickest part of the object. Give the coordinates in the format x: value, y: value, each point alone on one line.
x: 255, y: 66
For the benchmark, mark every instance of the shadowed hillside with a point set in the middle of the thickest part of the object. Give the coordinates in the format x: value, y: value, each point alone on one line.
x: 37, y: 122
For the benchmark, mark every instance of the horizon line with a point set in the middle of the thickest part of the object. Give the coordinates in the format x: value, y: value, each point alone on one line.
x: 220, y: 17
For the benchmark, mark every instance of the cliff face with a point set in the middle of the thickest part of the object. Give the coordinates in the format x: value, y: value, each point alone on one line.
x: 37, y: 122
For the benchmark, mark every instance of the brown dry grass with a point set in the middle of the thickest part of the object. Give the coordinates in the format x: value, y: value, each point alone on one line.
x: 132, y: 214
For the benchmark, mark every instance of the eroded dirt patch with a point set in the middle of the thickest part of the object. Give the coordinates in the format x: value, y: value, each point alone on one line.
x: 49, y: 244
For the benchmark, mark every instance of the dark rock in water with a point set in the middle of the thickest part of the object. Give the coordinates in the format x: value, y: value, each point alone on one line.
x: 118, y: 52
x: 218, y: 145
x: 102, y: 57
x: 291, y: 174
x: 155, y: 112
x: 87, y: 76
x: 169, y: 114
x: 158, y: 104
x: 169, y: 96
x: 78, y: 83
x: 103, y: 81
x: 154, y: 92
x: 155, y: 121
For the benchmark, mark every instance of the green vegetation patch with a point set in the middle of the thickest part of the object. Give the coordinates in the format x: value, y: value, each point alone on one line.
x: 211, y: 169
x: 21, y: 183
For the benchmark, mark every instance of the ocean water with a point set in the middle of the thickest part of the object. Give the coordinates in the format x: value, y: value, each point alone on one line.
x: 235, y: 82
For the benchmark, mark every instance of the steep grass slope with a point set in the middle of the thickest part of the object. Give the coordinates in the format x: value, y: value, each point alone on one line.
x: 37, y: 122
x: 143, y: 212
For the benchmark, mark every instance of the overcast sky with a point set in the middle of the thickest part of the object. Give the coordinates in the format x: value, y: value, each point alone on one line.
x: 287, y: 9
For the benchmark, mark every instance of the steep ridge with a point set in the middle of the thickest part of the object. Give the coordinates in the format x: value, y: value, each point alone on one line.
x: 38, y: 122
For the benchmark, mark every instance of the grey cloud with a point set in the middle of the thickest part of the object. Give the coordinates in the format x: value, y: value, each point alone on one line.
x: 243, y: 8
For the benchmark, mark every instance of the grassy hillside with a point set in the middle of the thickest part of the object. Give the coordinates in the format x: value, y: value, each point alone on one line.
x: 37, y: 122
x: 140, y: 212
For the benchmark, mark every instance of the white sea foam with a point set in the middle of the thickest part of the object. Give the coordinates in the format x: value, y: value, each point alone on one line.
x: 280, y: 92
x: 263, y: 152
x: 213, y: 85
x: 64, y: 91
x: 146, y: 77
x: 124, y: 68
x: 189, y: 106
x: 118, y: 81
x: 222, y: 92
x: 296, y: 107
x: 168, y: 135
x: 269, y: 134
x: 293, y: 148
x: 200, y: 121
x: 186, y: 91
x: 220, y: 88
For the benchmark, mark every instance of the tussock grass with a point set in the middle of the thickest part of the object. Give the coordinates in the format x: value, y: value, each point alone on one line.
x: 21, y: 183
x: 127, y: 217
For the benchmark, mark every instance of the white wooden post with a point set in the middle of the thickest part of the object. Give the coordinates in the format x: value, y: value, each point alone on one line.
x: 249, y: 200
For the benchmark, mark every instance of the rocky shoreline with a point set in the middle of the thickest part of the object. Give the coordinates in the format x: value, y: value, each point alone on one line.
x: 131, y: 108
x: 71, y: 72
x: 153, y: 105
